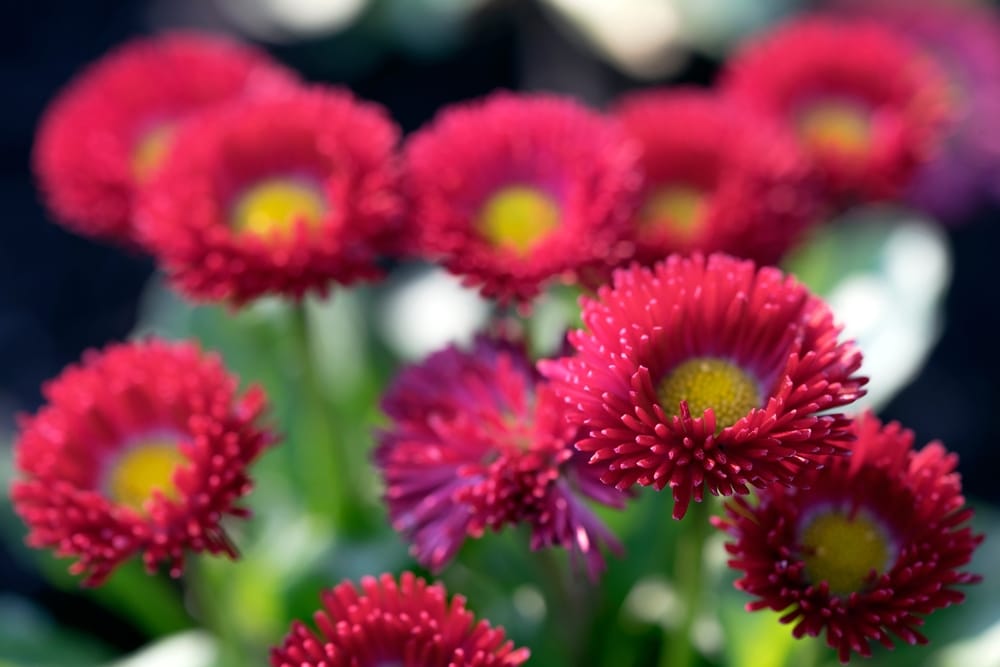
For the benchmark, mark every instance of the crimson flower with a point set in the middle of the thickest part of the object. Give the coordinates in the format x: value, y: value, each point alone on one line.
x: 276, y: 195
x: 108, y: 131
x: 863, y: 548
x: 142, y: 448
x: 515, y: 191
x: 706, y: 374
x: 409, y: 623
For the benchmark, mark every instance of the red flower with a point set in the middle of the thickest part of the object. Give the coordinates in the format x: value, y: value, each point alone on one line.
x: 410, y: 624
x: 866, y: 104
x: 276, y: 195
x: 142, y: 448
x: 706, y: 374
x: 108, y: 131
x: 902, y: 513
x: 717, y: 178
x: 514, y: 191
x: 479, y: 441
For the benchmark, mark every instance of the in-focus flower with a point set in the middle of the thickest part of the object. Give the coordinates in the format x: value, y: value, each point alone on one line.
x: 514, y: 191
x: 862, y: 550
x: 866, y: 104
x: 142, y: 448
x: 717, y: 178
x: 964, y: 40
x: 409, y: 623
x: 109, y: 129
x: 479, y: 441
x: 276, y: 195
x: 706, y: 374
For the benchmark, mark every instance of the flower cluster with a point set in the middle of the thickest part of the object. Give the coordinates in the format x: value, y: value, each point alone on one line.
x: 698, y: 366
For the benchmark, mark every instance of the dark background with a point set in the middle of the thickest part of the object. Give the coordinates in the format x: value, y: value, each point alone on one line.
x: 60, y: 293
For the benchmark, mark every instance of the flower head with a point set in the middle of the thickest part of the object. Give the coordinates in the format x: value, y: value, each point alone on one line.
x: 706, y: 374
x: 108, y: 131
x: 479, y: 441
x: 864, y: 547
x: 514, y: 191
x: 964, y: 40
x: 409, y: 623
x: 865, y: 103
x: 142, y: 448
x: 276, y: 195
x: 717, y: 178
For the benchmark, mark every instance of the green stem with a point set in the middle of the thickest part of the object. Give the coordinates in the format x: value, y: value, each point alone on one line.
x: 677, y: 649
x: 321, y: 461
x: 566, y: 602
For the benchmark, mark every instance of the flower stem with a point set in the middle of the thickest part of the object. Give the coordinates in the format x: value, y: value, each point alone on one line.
x: 688, y: 575
x: 320, y: 459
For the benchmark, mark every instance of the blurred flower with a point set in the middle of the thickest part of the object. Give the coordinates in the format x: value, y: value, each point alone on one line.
x: 277, y: 195
x: 108, y: 131
x: 717, y: 178
x: 864, y: 548
x: 865, y: 103
x: 513, y: 191
x: 142, y: 448
x: 479, y: 441
x: 964, y: 40
x: 388, y: 623
x: 706, y: 374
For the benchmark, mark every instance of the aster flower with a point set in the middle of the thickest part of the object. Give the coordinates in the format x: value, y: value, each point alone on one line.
x: 864, y: 102
x: 479, y: 441
x: 514, y: 191
x: 108, y: 130
x: 717, y: 178
x: 964, y: 40
x: 864, y: 548
x: 409, y: 623
x: 142, y: 448
x: 706, y: 375
x: 275, y: 195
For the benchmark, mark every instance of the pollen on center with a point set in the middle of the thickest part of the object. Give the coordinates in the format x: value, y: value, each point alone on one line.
x: 843, y: 550
x: 708, y: 382
x: 274, y: 206
x: 680, y: 208
x: 836, y: 126
x: 150, y: 149
x: 143, y: 468
x: 518, y: 217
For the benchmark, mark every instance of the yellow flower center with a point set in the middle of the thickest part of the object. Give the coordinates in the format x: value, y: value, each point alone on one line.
x: 518, y: 217
x: 149, y: 151
x: 678, y: 207
x: 843, y: 551
x: 834, y: 126
x: 142, y: 468
x: 274, y: 206
x: 707, y: 382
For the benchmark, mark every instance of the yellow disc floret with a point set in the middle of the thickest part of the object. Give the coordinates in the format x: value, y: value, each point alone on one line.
x: 149, y: 151
x: 708, y: 382
x: 680, y: 208
x: 142, y: 468
x: 518, y: 217
x: 842, y: 550
x: 273, y: 207
x: 837, y: 127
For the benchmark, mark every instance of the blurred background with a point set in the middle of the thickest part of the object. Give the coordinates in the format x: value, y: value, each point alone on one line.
x: 921, y: 296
